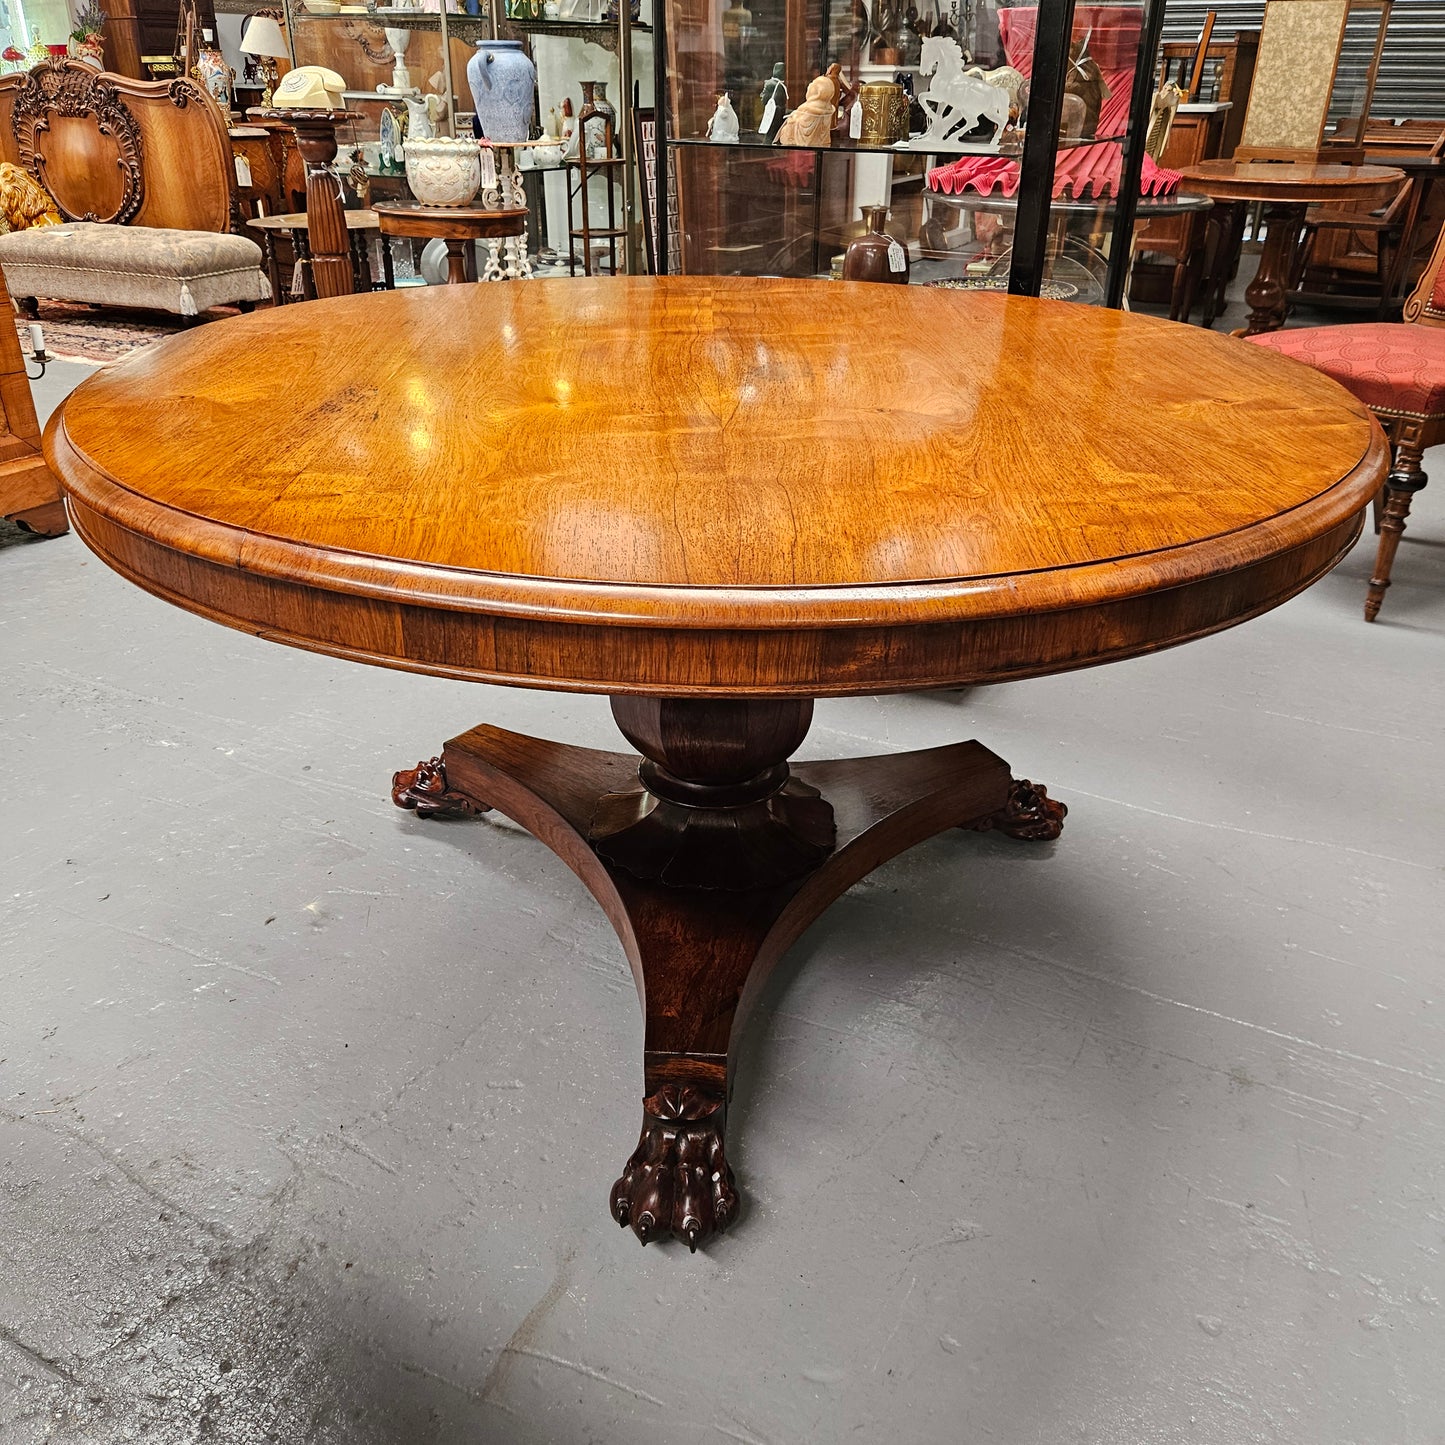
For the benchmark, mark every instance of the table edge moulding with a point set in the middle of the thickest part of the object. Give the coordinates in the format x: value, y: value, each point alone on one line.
x: 707, y: 849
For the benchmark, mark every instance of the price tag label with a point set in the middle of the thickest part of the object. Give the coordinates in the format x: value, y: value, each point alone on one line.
x: 768, y: 117
x: 897, y: 257
x: 855, y: 120
x: 243, y: 171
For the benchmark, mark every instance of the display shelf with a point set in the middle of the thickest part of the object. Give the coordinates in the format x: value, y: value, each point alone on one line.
x: 399, y: 19
x: 945, y: 148
x: 349, y: 45
x: 600, y: 32
x: 845, y: 148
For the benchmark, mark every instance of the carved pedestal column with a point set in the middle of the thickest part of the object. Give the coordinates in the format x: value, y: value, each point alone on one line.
x: 331, y: 269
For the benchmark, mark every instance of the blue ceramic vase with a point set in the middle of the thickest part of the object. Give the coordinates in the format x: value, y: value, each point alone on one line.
x: 504, y: 89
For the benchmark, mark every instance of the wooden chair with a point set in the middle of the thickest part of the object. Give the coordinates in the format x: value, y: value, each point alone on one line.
x: 1398, y: 370
x: 1369, y: 258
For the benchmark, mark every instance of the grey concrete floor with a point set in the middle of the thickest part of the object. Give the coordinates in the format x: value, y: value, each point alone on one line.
x: 308, y: 1111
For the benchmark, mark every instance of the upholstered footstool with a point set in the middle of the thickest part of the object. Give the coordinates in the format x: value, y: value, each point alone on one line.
x: 181, y: 271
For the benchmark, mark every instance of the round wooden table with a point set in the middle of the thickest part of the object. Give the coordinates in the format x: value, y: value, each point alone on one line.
x: 1288, y: 189
x: 293, y: 225
x: 715, y: 500
x: 458, y: 226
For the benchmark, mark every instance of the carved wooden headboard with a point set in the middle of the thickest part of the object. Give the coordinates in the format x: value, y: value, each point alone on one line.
x: 108, y: 148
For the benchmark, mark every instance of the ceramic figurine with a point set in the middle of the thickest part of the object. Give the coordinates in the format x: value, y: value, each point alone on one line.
x: 504, y: 84
x: 915, y: 123
x: 1084, y: 79
x: 1005, y: 77
x: 723, y: 123
x: 844, y: 96
x: 812, y: 123
x: 774, y: 100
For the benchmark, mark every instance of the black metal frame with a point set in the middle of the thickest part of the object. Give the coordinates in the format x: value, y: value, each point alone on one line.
x: 1041, y: 145
x: 1126, y: 203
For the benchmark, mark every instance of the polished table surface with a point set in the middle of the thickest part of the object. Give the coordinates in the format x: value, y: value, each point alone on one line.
x: 715, y: 499
x: 821, y: 465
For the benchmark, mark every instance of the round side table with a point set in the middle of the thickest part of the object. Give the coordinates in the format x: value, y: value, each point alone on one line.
x: 360, y: 224
x: 1288, y: 189
x: 459, y: 226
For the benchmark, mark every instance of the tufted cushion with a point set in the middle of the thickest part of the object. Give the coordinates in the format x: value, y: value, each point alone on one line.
x: 1392, y: 368
x: 181, y: 271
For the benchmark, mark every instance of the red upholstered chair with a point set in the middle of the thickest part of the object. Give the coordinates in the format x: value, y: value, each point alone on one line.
x: 1398, y: 371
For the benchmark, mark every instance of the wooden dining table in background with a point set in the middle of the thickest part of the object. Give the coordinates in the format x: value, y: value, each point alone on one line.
x: 1287, y: 189
x: 715, y: 500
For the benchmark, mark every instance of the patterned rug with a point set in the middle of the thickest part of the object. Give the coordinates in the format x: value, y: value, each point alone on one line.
x: 99, y: 335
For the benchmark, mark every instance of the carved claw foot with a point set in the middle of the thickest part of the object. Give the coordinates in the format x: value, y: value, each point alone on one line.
x: 424, y: 788
x: 677, y: 1181
x: 1030, y: 814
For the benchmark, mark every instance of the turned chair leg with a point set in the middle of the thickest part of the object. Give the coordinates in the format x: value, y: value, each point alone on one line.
x: 1405, y: 479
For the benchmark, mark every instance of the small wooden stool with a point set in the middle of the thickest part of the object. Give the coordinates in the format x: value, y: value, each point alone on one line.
x: 459, y: 226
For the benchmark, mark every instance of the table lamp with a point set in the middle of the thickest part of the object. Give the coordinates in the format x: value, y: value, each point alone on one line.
x: 263, y: 39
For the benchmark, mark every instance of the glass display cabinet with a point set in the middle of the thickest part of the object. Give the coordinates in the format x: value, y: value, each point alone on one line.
x: 1007, y: 140
x: 365, y: 44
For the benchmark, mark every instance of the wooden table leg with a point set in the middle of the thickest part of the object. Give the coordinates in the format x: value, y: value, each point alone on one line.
x: 327, y: 237
x: 456, y: 261
x: 1406, y: 478
x: 710, y: 855
x: 273, y: 271
x: 1268, y: 293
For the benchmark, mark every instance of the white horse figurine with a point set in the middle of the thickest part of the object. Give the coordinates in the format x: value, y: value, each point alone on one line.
x: 955, y: 100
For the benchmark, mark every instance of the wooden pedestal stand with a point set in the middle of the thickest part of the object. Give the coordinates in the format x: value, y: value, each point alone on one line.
x: 331, y: 268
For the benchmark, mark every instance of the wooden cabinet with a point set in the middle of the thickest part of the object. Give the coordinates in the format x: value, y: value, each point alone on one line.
x: 1198, y: 134
x: 29, y: 493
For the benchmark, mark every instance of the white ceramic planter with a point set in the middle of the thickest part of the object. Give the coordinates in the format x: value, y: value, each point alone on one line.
x: 442, y: 171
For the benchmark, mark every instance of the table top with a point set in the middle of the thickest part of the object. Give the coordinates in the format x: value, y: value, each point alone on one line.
x: 1412, y: 165
x: 410, y: 218
x: 356, y: 220
x: 1289, y: 181
x: 704, y: 486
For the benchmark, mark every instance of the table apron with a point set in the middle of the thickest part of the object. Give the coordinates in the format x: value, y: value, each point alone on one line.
x: 618, y: 658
